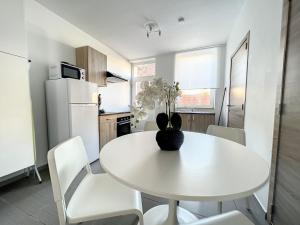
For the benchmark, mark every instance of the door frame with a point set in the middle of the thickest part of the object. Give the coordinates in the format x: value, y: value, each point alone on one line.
x: 246, y: 38
x: 278, y: 106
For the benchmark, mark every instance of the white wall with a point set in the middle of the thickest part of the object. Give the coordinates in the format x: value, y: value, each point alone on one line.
x: 52, y: 39
x: 263, y: 19
x: 115, y: 97
x: 13, y: 34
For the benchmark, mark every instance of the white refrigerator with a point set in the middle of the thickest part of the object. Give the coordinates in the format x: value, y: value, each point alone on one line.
x: 72, y: 110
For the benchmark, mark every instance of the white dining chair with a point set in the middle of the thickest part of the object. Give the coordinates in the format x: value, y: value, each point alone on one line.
x: 232, y: 134
x: 97, y: 196
x: 230, y: 218
x: 150, y: 125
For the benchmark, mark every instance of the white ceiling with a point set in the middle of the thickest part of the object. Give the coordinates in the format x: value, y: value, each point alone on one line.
x: 120, y: 23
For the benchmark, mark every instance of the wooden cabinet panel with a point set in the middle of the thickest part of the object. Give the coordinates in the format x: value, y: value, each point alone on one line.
x: 186, y: 122
x: 108, y: 129
x: 196, y: 122
x: 95, y: 64
x: 200, y: 122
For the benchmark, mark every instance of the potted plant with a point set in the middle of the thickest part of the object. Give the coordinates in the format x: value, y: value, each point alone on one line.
x: 159, y: 93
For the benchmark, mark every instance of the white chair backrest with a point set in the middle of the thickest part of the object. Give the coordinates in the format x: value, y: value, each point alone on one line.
x: 232, y: 134
x: 65, y: 161
x: 150, y: 125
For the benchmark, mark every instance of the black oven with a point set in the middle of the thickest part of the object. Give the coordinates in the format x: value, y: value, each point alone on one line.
x: 123, y: 126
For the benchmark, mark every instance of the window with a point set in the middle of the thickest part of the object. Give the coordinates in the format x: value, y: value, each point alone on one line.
x: 196, y: 98
x: 197, y: 74
x: 144, y: 71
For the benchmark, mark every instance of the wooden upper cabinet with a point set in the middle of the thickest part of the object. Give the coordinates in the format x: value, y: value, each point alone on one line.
x: 94, y: 63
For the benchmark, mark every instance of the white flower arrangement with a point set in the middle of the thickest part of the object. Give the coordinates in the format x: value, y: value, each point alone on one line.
x: 154, y: 93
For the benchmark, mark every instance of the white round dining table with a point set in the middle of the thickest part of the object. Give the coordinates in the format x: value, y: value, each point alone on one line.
x: 206, y: 168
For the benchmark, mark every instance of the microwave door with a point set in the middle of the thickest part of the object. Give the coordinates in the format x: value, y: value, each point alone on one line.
x: 68, y: 71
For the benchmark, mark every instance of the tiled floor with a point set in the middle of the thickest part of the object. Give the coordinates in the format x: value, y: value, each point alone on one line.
x: 27, y: 203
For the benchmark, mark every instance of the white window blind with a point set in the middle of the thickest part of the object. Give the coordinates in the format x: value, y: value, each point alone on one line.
x: 197, y: 69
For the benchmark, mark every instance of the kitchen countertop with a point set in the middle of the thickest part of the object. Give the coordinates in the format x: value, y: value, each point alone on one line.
x: 181, y: 112
x: 196, y: 112
x: 112, y: 113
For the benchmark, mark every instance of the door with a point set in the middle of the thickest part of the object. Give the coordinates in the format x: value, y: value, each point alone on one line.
x: 238, y: 85
x: 16, y: 125
x: 84, y: 123
x: 284, y: 201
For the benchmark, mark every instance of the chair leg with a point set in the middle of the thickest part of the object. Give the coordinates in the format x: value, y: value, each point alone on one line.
x: 220, y: 207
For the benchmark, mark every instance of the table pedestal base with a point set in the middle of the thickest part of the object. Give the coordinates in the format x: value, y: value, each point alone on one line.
x: 168, y: 215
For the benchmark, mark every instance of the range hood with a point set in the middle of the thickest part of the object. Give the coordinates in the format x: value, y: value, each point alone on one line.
x: 114, y: 78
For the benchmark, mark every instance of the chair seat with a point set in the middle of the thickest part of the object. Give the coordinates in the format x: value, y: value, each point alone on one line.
x: 100, y: 196
x: 230, y: 218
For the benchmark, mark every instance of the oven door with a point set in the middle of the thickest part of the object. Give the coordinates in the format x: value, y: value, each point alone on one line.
x: 123, y: 128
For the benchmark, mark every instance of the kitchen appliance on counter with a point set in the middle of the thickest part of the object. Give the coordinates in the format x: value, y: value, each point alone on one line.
x: 66, y: 70
x: 72, y: 110
x: 123, y: 126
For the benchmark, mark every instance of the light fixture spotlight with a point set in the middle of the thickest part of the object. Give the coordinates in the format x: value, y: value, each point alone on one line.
x: 152, y: 27
x: 180, y: 20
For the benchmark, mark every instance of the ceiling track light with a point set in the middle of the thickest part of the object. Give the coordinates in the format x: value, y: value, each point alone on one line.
x: 152, y: 27
x: 181, y: 20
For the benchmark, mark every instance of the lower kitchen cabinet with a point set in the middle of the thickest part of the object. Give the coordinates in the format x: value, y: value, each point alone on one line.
x: 197, y: 122
x: 107, y: 129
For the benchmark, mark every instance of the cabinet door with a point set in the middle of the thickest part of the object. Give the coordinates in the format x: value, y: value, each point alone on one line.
x: 102, y: 69
x: 97, y: 67
x: 108, y: 130
x: 200, y: 122
x: 112, y: 130
x: 186, y: 122
x: 95, y: 64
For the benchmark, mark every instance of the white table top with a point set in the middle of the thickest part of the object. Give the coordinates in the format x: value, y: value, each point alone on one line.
x: 205, y: 168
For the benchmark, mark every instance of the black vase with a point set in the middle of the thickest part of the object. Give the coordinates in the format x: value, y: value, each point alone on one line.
x: 169, y: 138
